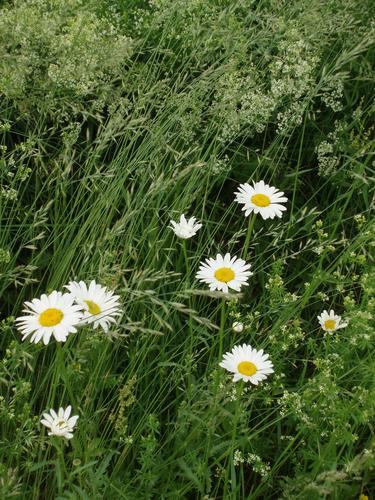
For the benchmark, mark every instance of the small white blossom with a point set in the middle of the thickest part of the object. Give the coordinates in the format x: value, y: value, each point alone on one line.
x: 185, y: 229
x: 237, y: 327
x: 59, y: 423
x: 331, y: 322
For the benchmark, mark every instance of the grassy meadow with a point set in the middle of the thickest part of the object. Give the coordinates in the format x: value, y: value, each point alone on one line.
x: 119, y: 116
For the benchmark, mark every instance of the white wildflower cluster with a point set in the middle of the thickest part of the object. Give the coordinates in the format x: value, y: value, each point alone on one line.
x: 324, y: 246
x: 292, y: 403
x: 292, y: 75
x: 328, y: 162
x: 290, y: 297
x: 4, y: 256
x: 8, y: 194
x: 220, y: 166
x: 329, y: 152
x: 253, y: 460
x: 360, y: 220
x: 325, y: 364
x: 333, y: 91
x: 245, y: 101
x: 82, y: 48
x: 241, y: 104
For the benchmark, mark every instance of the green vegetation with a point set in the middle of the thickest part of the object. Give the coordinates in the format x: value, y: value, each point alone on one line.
x: 117, y: 116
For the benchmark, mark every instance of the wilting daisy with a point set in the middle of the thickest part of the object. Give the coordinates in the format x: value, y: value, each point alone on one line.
x: 223, y: 273
x: 247, y: 364
x: 185, y: 228
x: 59, y: 423
x: 331, y: 322
x: 261, y: 199
x: 100, y: 306
x: 54, y: 314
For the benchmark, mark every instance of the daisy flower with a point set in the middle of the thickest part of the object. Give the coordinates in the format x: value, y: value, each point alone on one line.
x: 100, y: 306
x: 223, y: 273
x: 59, y: 423
x: 185, y: 228
x: 54, y: 314
x: 247, y: 364
x: 331, y: 322
x: 261, y: 199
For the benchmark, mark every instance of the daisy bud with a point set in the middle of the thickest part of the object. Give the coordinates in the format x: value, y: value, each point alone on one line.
x: 237, y: 327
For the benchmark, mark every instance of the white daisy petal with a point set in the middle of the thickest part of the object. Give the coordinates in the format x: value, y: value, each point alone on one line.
x: 261, y: 199
x: 223, y: 273
x: 185, y: 228
x: 73, y: 420
x: 331, y: 322
x: 46, y: 423
x: 247, y: 364
x: 67, y: 412
x: 99, y: 304
x: 45, y: 317
x: 59, y: 423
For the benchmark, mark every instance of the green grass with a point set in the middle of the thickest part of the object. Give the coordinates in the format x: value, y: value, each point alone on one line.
x: 182, y: 102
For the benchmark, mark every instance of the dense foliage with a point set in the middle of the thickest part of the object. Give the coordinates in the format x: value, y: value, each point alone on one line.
x: 117, y: 116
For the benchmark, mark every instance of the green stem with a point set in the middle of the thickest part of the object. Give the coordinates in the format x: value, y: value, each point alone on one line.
x: 187, y: 267
x: 222, y: 328
x: 239, y: 390
x: 60, y: 466
x: 191, y: 336
x: 58, y: 367
x: 250, y: 228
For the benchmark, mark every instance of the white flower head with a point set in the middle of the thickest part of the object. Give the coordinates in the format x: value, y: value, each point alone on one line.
x: 331, y: 322
x: 237, y: 327
x: 225, y: 272
x: 54, y: 314
x: 100, y: 306
x: 261, y: 199
x: 59, y: 423
x: 247, y: 364
x: 185, y: 228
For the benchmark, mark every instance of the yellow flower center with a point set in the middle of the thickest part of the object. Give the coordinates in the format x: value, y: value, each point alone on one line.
x: 247, y: 368
x: 224, y: 274
x: 93, y: 308
x: 261, y: 200
x: 61, y: 424
x: 330, y: 324
x: 51, y: 317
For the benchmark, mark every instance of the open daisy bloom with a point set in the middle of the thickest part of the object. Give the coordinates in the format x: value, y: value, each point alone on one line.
x: 331, y: 322
x: 100, y: 306
x: 223, y: 273
x: 54, y: 314
x: 247, y: 364
x: 261, y: 199
x: 185, y: 228
x: 59, y: 423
